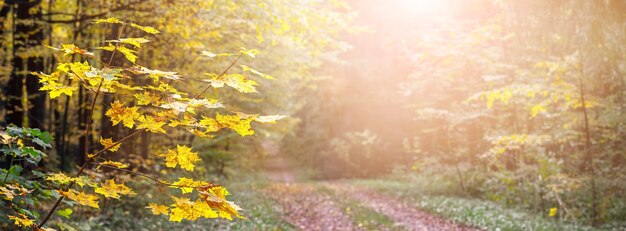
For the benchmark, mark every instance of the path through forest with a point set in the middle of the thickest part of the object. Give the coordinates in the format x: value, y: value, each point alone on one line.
x: 322, y: 205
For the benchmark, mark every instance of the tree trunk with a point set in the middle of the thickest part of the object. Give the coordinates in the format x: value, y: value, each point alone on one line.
x: 25, y: 105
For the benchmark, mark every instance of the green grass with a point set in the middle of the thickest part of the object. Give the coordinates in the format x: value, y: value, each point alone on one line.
x: 478, y: 213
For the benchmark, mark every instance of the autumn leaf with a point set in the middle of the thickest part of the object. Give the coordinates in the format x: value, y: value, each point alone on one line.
x: 146, y: 98
x: 80, y: 198
x: 10, y: 191
x: 187, y: 185
x: 147, y: 29
x: 215, y: 197
x: 119, y: 113
x: 182, y: 156
x: 109, y: 47
x: 269, y: 119
x: 57, y: 89
x: 236, y: 81
x: 183, y: 208
x: 106, y: 20
x: 108, y: 143
x: 250, y: 53
x: 8, y: 194
x: 22, y: 220
x: 111, y: 189
x: 158, y: 209
x: 155, y: 74
x: 51, y: 83
x: 247, y: 68
x: 150, y: 124
x: 128, y: 53
x: 241, y: 126
x: 70, y: 49
x: 59, y: 177
x: 114, y: 164
x: 210, y: 124
x: 131, y: 41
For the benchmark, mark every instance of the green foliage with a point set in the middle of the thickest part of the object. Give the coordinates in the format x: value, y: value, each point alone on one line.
x: 475, y: 212
x: 20, y: 188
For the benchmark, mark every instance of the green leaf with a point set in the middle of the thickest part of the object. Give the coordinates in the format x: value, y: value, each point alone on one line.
x: 65, y: 212
x: 15, y: 170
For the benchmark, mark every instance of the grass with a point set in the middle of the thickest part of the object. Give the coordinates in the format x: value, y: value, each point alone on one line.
x: 362, y: 216
x: 478, y: 213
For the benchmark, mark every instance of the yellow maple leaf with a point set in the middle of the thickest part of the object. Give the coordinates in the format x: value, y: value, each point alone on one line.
x: 107, y: 20
x: 158, y: 209
x: 215, y: 197
x: 182, y: 156
x: 146, y: 98
x: 241, y: 126
x: 81, y: 198
x: 73, y: 49
x: 109, y: 47
x: 114, y: 164
x: 118, y: 113
x: 22, y: 220
x: 187, y: 185
x: 64, y: 179
x: 150, y: 124
x: 45, y: 78
x: 201, y: 208
x: 132, y: 41
x: 113, y: 190
x: 210, y: 124
x: 18, y: 189
x: 146, y: 29
x: 57, y: 89
x: 236, y: 81
x: 108, y: 143
x: 59, y: 177
x: 183, y: 208
x: 247, y: 68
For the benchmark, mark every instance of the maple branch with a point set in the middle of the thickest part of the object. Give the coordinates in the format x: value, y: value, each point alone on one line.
x: 157, y: 180
x: 87, y: 134
x: 80, y: 172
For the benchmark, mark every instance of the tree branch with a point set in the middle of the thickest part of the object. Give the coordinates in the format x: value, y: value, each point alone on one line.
x: 93, y: 16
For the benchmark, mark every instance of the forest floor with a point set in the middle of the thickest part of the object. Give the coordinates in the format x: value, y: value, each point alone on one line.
x: 339, y: 205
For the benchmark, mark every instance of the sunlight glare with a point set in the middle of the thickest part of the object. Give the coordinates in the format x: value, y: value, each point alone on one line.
x: 421, y: 6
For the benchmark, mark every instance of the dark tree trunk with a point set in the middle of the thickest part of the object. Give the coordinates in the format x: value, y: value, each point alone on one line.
x: 28, y: 33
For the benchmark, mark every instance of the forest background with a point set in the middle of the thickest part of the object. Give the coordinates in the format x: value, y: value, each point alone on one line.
x: 519, y: 104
